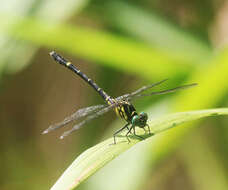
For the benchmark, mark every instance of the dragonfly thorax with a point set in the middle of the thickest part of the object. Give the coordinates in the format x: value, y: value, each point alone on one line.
x: 125, y: 110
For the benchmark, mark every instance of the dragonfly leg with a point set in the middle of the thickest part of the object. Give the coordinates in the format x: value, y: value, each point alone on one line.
x: 118, y: 131
x: 137, y: 135
x: 129, y: 131
x: 144, y: 130
x: 148, y: 128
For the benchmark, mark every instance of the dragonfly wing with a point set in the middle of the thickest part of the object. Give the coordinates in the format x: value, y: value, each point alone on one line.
x: 139, y: 91
x: 87, y: 119
x: 77, y: 115
x: 167, y: 91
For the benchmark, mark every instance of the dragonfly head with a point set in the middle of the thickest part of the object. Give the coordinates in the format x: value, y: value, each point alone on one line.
x: 140, y: 120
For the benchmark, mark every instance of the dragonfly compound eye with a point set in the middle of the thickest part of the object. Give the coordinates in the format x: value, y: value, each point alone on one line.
x: 140, y: 120
x: 135, y: 120
x: 143, y: 116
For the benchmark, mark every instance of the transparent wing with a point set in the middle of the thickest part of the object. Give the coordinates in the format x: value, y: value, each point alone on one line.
x: 77, y: 115
x: 139, y: 91
x: 87, y: 119
x: 167, y: 91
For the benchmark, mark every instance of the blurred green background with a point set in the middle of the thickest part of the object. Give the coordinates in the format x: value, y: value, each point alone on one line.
x: 122, y: 45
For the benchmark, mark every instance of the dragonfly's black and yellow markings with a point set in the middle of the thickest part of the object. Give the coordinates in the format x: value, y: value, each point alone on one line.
x: 125, y: 110
x: 121, y: 105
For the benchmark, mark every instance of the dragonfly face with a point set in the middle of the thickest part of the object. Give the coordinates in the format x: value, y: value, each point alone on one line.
x: 140, y: 120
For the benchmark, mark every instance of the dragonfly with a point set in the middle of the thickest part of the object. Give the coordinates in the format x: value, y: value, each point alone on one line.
x: 121, y: 105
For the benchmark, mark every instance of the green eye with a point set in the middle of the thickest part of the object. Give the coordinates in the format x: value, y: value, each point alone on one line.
x: 135, y: 120
x: 143, y: 116
x: 140, y: 120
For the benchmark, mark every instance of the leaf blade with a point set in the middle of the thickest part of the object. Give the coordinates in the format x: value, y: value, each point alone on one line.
x: 96, y: 157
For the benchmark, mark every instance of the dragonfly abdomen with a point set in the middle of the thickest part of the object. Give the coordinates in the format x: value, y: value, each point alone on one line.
x: 59, y: 59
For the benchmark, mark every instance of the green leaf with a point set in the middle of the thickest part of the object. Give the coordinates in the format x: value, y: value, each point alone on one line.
x: 96, y: 157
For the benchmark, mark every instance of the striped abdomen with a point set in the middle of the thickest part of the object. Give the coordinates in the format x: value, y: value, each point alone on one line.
x: 59, y: 59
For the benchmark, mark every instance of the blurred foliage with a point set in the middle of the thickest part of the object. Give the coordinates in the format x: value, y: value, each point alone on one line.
x: 136, y: 42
